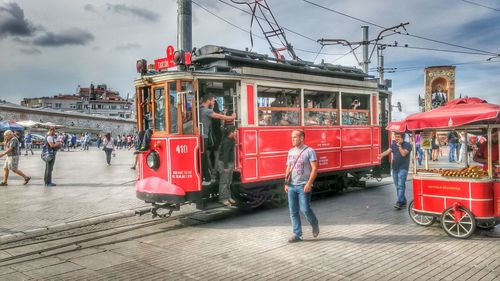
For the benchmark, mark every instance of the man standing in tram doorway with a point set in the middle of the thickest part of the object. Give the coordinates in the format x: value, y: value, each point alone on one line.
x: 400, y: 164
x: 301, y: 171
x: 206, y: 115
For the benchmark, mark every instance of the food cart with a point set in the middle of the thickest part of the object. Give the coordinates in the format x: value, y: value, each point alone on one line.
x: 465, y: 198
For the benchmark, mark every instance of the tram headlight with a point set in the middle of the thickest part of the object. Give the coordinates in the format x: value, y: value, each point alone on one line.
x: 153, y: 160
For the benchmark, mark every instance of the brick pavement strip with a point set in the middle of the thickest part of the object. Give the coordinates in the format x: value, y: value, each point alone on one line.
x: 81, y: 193
x: 355, y: 243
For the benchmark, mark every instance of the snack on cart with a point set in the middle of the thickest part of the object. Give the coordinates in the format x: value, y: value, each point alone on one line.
x: 462, y: 199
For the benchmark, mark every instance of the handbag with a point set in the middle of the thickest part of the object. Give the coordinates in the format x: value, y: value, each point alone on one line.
x: 288, y: 177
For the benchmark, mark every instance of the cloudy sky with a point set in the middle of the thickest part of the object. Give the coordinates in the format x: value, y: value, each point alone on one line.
x: 52, y: 46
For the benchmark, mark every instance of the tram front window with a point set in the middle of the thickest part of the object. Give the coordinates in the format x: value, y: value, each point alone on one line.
x: 187, y: 98
x: 145, y: 107
x: 172, y: 98
x: 159, y: 109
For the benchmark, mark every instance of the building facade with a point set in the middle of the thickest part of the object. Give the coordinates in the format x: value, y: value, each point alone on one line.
x: 72, y: 122
x: 92, y: 100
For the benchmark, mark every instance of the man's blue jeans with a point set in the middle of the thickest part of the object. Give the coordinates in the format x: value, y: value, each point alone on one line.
x: 420, y: 154
x: 451, y: 155
x: 300, y: 200
x: 399, y: 177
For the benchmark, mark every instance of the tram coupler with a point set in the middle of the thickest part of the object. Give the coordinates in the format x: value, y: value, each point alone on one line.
x: 457, y: 213
x: 164, y: 211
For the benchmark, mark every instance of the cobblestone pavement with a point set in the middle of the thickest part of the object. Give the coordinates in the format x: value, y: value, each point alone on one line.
x: 362, y: 238
x: 86, y: 187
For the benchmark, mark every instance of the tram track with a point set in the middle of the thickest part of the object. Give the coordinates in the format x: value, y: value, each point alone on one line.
x: 106, y: 238
x: 109, y: 235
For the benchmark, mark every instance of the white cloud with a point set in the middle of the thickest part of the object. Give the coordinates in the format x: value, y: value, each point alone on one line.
x: 139, y: 38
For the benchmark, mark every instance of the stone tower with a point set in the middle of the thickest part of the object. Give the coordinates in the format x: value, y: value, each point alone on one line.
x: 439, y: 86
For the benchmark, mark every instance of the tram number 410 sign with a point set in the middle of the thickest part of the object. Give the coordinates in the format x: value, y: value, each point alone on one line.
x: 181, y: 149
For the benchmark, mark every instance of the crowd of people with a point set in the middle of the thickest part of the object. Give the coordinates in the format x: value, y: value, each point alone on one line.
x: 15, y: 142
x: 458, y: 143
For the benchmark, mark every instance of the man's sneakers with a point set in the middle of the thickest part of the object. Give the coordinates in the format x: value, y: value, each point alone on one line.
x: 399, y: 206
x: 205, y: 183
x: 3, y: 184
x: 26, y: 180
x: 294, y: 238
x: 316, y: 231
x: 50, y: 184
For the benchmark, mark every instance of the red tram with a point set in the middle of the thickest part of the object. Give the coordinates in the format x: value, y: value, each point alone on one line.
x: 340, y: 110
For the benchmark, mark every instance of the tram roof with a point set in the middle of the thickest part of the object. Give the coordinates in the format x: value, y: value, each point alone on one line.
x: 222, y: 59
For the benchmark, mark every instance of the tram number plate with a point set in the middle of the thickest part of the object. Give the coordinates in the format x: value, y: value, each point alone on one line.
x: 181, y: 149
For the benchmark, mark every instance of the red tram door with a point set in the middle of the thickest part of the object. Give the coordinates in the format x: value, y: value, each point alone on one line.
x: 184, y: 169
x: 184, y: 150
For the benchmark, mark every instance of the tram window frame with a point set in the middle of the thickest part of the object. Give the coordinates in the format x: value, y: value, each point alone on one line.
x: 290, y: 104
x: 224, y: 92
x: 172, y: 108
x: 145, y: 108
x: 320, y: 108
x: 158, y: 109
x: 186, y: 116
x: 355, y: 114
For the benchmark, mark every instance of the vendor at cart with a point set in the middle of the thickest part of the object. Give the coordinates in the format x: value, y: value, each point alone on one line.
x: 481, y: 155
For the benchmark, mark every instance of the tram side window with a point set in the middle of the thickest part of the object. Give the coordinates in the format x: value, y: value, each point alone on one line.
x: 147, y: 117
x: 278, y: 106
x: 355, y: 109
x: 159, y: 109
x: 320, y: 108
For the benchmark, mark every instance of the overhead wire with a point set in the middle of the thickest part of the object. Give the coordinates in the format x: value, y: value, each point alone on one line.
x: 481, y: 5
x: 419, y: 68
x: 434, y: 49
x: 407, y: 34
x: 261, y: 37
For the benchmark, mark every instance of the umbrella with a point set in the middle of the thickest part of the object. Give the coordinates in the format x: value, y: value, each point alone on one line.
x: 396, y: 126
x: 4, y: 126
x: 458, y: 112
x: 28, y: 123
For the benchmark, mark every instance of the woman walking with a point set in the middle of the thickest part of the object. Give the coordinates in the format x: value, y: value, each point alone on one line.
x: 435, y: 147
x: 109, y: 147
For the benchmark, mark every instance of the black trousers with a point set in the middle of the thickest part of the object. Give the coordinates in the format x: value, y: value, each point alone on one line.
x: 49, y: 166
x: 108, y: 155
x: 205, y: 171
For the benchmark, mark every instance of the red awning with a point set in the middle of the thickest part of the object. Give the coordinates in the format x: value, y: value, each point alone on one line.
x: 458, y: 112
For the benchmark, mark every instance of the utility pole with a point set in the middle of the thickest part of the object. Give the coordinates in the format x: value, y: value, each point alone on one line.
x: 365, y: 43
x: 184, y: 25
x: 380, y: 65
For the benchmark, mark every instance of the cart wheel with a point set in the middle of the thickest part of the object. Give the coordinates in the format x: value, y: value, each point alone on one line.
x: 420, y: 219
x: 458, y: 222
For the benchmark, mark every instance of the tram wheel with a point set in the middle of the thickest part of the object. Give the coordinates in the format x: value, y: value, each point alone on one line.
x: 418, y: 218
x: 486, y: 224
x: 463, y: 226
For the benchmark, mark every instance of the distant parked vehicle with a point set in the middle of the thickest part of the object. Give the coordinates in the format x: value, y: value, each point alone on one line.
x: 37, y: 141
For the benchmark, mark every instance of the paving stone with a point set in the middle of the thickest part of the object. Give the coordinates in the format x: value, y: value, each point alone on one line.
x: 100, y: 260
x: 15, y: 276
x: 52, y: 270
